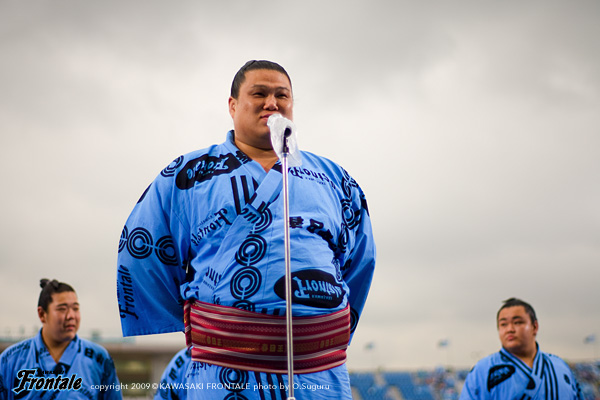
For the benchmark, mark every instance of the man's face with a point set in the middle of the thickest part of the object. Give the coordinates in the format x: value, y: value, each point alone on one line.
x: 517, y: 332
x: 263, y: 93
x: 61, y: 322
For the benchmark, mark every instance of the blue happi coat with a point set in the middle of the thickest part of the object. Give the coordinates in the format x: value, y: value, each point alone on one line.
x: 210, y: 227
x: 25, y: 361
x: 502, y: 376
x: 173, y: 383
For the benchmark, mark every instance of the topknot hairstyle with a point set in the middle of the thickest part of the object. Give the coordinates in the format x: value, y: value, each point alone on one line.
x: 49, y: 287
x: 513, y: 302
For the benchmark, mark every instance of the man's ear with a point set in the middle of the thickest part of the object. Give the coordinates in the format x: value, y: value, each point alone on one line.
x: 41, y: 314
x: 232, y: 106
x: 535, y: 328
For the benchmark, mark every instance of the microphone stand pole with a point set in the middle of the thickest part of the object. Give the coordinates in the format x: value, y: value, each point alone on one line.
x: 288, y: 272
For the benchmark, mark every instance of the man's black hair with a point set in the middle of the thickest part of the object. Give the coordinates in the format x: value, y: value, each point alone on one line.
x: 49, y: 287
x: 252, y: 65
x: 514, y: 302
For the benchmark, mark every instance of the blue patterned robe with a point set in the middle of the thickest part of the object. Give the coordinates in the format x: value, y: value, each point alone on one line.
x: 81, y: 359
x: 503, y: 376
x: 210, y: 228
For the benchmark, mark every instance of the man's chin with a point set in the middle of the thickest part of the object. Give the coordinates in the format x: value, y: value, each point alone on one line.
x: 513, y: 348
x: 69, y: 335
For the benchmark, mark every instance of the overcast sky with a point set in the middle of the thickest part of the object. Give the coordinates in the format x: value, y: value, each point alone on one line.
x: 472, y: 127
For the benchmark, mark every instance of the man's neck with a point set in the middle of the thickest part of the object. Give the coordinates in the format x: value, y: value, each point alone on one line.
x: 527, y: 356
x: 56, y: 349
x: 528, y: 359
x: 265, y: 157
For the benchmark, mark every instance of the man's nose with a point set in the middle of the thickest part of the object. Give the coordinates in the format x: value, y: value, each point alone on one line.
x: 271, y: 102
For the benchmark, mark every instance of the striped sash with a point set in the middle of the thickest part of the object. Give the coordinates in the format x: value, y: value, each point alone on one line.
x: 241, y: 339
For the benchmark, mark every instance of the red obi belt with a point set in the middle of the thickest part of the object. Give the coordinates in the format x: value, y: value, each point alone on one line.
x: 246, y: 340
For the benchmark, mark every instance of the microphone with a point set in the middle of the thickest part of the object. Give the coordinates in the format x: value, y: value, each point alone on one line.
x: 283, y: 138
x: 286, y: 134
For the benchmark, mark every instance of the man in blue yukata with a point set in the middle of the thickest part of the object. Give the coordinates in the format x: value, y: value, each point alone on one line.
x: 57, y: 364
x: 172, y: 382
x: 203, y: 252
x: 520, y: 370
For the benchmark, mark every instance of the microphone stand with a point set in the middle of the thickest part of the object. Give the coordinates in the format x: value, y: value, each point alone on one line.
x: 288, y: 272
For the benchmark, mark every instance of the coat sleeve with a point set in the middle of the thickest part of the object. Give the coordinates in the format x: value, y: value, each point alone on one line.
x: 570, y: 380
x: 469, y: 389
x: 173, y: 379
x: 110, y: 380
x: 359, y: 267
x: 151, y: 260
x: 4, y: 384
